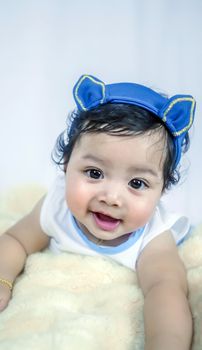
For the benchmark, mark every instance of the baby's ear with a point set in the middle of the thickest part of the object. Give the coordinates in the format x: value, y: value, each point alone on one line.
x: 88, y: 92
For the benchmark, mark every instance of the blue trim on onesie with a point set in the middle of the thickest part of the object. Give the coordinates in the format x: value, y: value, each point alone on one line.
x: 186, y: 237
x: 104, y: 249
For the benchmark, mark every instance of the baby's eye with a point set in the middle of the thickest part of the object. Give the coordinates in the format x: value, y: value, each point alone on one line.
x: 138, y: 184
x: 94, y: 174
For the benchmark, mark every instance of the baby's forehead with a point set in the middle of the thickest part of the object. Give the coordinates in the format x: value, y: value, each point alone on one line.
x: 155, y: 138
x: 142, y: 148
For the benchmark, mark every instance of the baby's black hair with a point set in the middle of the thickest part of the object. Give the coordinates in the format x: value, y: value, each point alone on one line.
x: 118, y: 120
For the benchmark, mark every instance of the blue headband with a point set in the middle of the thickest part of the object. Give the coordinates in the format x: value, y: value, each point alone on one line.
x: 177, y: 112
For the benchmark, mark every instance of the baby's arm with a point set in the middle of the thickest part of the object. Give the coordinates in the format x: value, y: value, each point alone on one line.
x: 22, y: 239
x: 162, y: 277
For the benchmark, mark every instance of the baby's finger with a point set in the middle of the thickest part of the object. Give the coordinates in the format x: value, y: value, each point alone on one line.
x: 3, y: 304
x: 5, y: 295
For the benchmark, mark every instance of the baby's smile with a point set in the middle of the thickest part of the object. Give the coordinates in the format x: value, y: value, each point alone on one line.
x: 105, y: 222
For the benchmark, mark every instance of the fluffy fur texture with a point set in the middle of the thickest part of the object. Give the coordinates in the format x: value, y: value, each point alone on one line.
x: 75, y: 302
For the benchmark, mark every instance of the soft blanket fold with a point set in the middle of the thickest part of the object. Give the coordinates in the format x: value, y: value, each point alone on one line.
x: 75, y: 302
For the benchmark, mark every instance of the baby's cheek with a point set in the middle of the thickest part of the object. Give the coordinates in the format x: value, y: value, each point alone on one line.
x: 75, y: 197
x: 142, y: 213
x: 146, y: 215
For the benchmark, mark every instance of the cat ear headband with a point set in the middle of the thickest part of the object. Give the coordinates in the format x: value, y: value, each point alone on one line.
x: 177, y: 112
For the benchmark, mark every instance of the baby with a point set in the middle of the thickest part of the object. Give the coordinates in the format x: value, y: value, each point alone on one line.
x: 119, y: 154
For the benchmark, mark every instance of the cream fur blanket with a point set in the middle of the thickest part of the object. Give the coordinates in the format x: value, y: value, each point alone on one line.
x: 77, y: 302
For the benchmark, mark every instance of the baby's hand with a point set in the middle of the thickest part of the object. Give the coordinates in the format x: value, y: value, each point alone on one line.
x: 5, y: 295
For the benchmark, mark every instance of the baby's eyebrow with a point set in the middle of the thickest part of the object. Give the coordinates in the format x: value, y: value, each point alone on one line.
x: 93, y: 158
x: 144, y: 170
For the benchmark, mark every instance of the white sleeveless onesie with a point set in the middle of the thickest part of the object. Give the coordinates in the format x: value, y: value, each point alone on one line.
x: 58, y: 223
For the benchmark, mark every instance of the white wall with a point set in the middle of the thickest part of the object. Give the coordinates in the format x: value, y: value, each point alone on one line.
x: 46, y: 45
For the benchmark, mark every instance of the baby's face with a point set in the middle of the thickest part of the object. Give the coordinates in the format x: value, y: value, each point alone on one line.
x: 113, y: 183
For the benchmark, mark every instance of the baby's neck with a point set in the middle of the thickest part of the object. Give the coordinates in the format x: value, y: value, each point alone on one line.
x: 110, y: 243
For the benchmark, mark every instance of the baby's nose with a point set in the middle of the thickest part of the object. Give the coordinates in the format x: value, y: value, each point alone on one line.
x: 112, y: 196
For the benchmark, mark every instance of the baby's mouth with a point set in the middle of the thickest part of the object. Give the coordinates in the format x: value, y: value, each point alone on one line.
x: 105, y: 222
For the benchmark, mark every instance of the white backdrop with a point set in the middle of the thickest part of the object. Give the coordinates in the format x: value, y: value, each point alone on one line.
x: 45, y: 45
